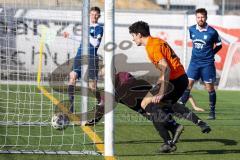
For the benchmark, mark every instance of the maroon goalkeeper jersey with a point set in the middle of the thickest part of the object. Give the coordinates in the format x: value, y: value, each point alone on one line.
x: 129, y: 90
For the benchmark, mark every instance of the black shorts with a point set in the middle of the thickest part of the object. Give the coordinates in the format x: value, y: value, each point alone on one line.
x: 174, y: 91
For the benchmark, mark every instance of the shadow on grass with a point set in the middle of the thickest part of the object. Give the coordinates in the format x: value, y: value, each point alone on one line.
x: 229, y: 142
x: 216, y: 151
x: 193, y: 152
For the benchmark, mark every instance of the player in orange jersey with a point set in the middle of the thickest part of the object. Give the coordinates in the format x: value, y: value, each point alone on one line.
x: 172, y: 80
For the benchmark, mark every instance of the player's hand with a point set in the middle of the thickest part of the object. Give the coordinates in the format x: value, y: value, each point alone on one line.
x: 157, y: 98
x: 198, y: 109
x: 65, y: 34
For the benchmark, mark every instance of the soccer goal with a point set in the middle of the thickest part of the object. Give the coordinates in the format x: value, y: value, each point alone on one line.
x: 36, y: 60
x: 230, y: 77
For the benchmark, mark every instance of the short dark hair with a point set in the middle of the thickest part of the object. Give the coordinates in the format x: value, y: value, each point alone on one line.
x: 140, y: 27
x: 202, y: 11
x: 95, y: 8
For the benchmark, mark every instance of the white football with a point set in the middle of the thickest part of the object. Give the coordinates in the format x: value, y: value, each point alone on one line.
x: 60, y: 121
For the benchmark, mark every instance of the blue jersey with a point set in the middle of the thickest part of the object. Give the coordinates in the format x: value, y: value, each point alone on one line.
x: 203, y: 44
x: 95, y: 37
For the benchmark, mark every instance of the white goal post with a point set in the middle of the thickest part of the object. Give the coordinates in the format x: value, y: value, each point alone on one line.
x: 230, y: 77
x: 109, y: 80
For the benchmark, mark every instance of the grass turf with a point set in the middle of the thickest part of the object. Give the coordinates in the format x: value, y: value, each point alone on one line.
x: 135, y: 138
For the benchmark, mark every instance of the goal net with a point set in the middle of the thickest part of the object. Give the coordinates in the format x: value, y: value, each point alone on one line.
x: 36, y: 59
x: 230, y: 77
x: 35, y: 63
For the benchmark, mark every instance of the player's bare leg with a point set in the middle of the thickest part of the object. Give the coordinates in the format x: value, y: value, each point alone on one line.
x: 194, y: 104
x: 92, y: 84
x: 146, y: 100
x: 72, y: 78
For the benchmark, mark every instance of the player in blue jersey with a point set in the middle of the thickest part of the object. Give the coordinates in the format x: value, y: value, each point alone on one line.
x: 206, y: 43
x: 95, y: 37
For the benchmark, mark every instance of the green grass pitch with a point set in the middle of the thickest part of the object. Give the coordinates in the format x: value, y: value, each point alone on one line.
x: 135, y: 138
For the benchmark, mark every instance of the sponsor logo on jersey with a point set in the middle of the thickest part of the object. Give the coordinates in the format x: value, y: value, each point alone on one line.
x: 198, y: 43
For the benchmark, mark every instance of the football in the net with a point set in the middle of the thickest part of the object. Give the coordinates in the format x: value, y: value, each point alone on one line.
x: 59, y: 121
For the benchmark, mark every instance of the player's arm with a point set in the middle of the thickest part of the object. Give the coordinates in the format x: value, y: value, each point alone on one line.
x: 164, y: 69
x: 218, y: 43
x: 217, y: 48
x: 71, y: 37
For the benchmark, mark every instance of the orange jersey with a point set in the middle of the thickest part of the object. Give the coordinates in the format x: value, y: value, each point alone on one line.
x: 158, y: 49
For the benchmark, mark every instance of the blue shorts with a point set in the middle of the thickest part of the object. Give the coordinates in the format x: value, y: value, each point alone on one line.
x: 93, y: 65
x: 206, y: 73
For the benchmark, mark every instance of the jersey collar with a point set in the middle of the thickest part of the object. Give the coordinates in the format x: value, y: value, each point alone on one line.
x: 201, y: 29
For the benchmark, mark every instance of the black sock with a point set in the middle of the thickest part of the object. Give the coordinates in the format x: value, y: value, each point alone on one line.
x: 212, y: 100
x: 185, y: 96
x: 71, y: 90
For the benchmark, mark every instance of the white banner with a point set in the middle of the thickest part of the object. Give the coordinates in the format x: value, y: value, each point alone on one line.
x: 58, y: 49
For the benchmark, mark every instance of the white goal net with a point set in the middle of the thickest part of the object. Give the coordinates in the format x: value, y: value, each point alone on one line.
x: 35, y: 63
x: 36, y: 59
x: 230, y: 77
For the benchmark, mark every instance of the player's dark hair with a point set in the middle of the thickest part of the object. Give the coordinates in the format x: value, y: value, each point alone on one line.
x: 202, y: 11
x: 140, y: 27
x: 95, y: 8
